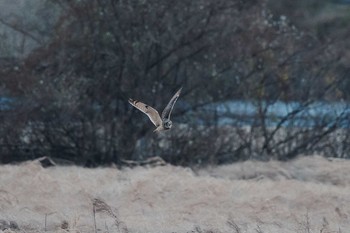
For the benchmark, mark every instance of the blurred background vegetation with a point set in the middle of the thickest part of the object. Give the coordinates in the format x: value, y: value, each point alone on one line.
x: 261, y: 79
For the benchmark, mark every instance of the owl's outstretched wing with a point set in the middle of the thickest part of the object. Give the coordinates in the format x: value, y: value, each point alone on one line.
x: 152, y: 114
x: 169, y: 108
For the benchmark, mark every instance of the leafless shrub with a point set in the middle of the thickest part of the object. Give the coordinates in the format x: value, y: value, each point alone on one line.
x: 73, y: 88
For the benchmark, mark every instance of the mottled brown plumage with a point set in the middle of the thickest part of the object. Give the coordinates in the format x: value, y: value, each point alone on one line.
x: 162, y: 123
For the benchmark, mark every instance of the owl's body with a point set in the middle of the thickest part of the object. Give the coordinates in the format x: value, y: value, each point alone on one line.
x: 167, y: 124
x: 162, y: 123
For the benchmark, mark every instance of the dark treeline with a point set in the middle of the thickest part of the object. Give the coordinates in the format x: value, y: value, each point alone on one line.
x: 70, y: 93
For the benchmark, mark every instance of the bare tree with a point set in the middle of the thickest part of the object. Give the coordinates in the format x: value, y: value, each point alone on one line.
x: 99, y: 53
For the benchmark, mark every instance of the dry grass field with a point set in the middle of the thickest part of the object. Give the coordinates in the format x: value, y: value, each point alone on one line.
x: 309, y: 194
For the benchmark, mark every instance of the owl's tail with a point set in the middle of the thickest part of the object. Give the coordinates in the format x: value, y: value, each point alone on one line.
x: 158, y: 129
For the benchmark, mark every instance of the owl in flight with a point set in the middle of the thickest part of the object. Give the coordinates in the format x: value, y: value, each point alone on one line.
x: 162, y: 123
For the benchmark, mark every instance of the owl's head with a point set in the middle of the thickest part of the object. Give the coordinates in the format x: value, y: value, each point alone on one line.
x: 167, y: 124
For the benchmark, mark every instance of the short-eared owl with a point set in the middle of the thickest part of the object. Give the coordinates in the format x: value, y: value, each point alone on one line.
x: 162, y: 123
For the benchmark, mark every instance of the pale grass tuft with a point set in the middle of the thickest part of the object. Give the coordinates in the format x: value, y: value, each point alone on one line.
x: 100, y: 206
x: 162, y: 199
x: 198, y: 229
x: 233, y: 225
x: 258, y: 229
